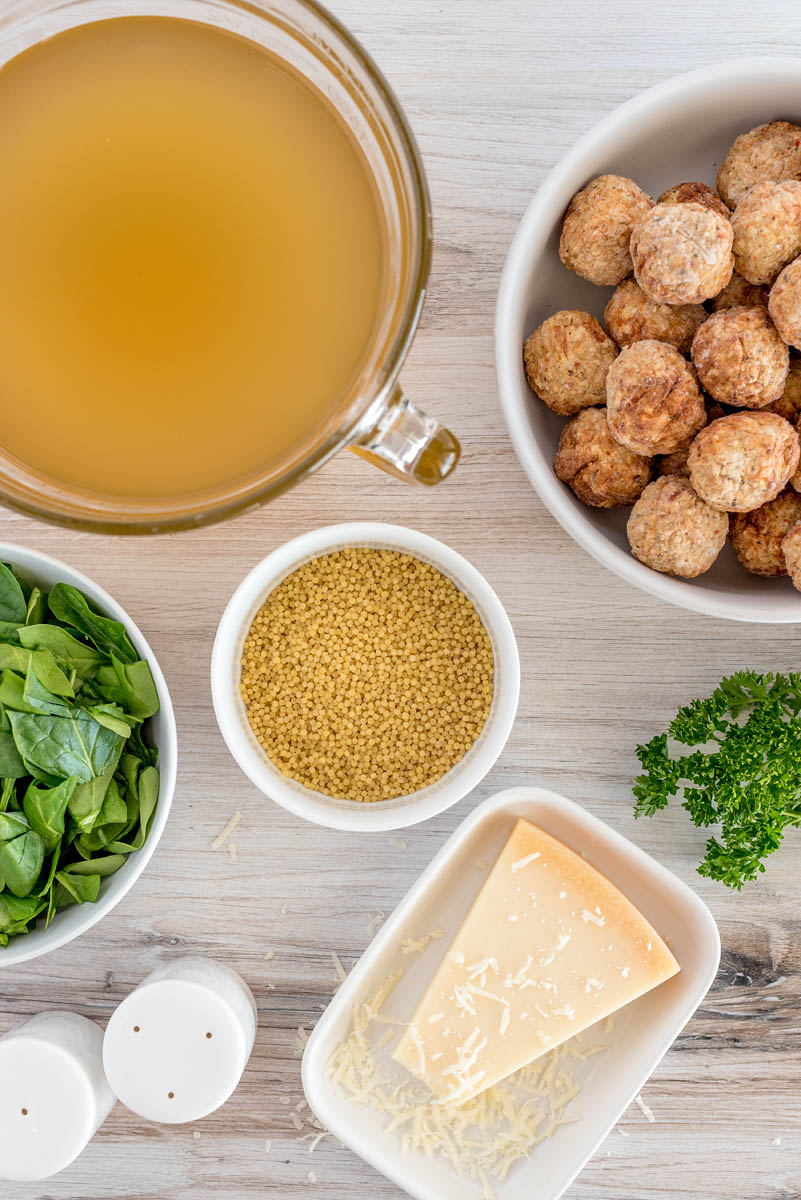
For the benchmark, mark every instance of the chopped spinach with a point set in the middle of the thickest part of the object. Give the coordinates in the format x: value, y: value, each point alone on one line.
x: 78, y: 781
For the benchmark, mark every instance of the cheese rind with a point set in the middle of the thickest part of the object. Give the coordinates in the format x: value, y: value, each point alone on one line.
x: 549, y: 947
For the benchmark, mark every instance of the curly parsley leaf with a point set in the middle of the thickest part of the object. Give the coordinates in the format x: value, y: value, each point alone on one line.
x: 743, y: 775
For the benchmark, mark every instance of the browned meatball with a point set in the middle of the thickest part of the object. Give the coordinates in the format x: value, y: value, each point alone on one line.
x: 676, y: 463
x: 784, y: 305
x: 673, y: 531
x: 739, y: 291
x: 566, y: 360
x: 791, y: 550
x: 757, y: 536
x: 597, y: 229
x: 769, y: 152
x: 630, y: 316
x: 695, y: 193
x: 795, y: 478
x: 789, y: 403
x: 767, y: 230
x: 682, y: 253
x: 740, y: 462
x: 673, y: 464
x: 600, y: 471
x: 740, y: 358
x: 654, y: 404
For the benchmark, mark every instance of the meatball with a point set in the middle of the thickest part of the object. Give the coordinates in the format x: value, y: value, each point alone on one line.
x: 673, y: 531
x: 769, y: 152
x: 757, y: 536
x: 631, y: 317
x: 676, y: 463
x: 795, y: 478
x: 654, y: 404
x: 740, y: 358
x: 695, y: 193
x: 597, y: 229
x: 566, y: 360
x: 789, y: 403
x: 784, y: 305
x: 682, y: 253
x: 767, y: 230
x: 791, y: 550
x: 673, y: 464
x: 739, y: 291
x: 600, y: 471
x: 740, y: 462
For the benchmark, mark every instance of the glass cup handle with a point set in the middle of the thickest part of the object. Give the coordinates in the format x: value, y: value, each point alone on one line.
x: 409, y: 444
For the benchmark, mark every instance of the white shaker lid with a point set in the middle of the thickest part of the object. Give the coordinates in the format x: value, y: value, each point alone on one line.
x: 174, y: 1050
x: 48, y: 1108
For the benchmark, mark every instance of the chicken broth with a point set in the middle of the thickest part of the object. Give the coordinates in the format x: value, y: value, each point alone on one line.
x: 191, y: 257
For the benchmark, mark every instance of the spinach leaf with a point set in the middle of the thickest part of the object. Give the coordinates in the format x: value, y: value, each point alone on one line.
x: 36, y: 609
x: 17, y: 911
x: 12, y: 600
x: 39, y: 698
x: 106, y: 864
x: 75, y: 889
x: 13, y: 825
x: 131, y: 685
x: 50, y: 674
x: 148, y: 794
x: 14, y: 658
x: 11, y: 764
x: 87, y: 799
x: 46, y: 809
x: 71, y: 608
x: 74, y: 744
x: 7, y: 794
x: 21, y: 861
x: 12, y: 693
x: 83, y: 660
x: 112, y: 716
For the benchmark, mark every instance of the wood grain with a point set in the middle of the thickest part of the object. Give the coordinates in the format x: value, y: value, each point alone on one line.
x: 496, y: 90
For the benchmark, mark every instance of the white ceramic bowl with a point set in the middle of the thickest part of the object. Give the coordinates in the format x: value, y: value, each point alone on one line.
x: 676, y: 131
x: 71, y: 922
x: 440, y: 899
x: 350, y: 814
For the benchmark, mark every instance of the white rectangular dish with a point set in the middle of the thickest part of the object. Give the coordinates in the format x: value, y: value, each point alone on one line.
x: 440, y: 900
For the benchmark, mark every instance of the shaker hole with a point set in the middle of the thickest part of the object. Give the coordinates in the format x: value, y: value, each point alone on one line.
x: 208, y: 1035
x: 170, y: 1095
x: 136, y: 1028
x: 24, y: 1112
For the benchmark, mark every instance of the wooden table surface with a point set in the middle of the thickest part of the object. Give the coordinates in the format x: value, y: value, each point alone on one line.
x: 496, y: 90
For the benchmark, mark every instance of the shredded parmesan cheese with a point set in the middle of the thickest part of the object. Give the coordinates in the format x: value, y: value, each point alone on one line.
x: 375, y: 921
x: 645, y: 1110
x: 482, y: 1138
x: 301, y: 1038
x: 223, y: 837
x: 411, y: 945
x: 342, y: 974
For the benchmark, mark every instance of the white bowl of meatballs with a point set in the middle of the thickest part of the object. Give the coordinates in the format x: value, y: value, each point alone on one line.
x: 648, y: 341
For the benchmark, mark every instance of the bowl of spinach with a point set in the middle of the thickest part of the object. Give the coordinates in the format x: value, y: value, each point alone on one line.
x: 88, y: 751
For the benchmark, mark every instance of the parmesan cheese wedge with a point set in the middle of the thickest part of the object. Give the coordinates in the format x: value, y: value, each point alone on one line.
x: 549, y: 947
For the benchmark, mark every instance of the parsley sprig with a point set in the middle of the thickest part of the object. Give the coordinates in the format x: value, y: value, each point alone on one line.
x: 744, y: 772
